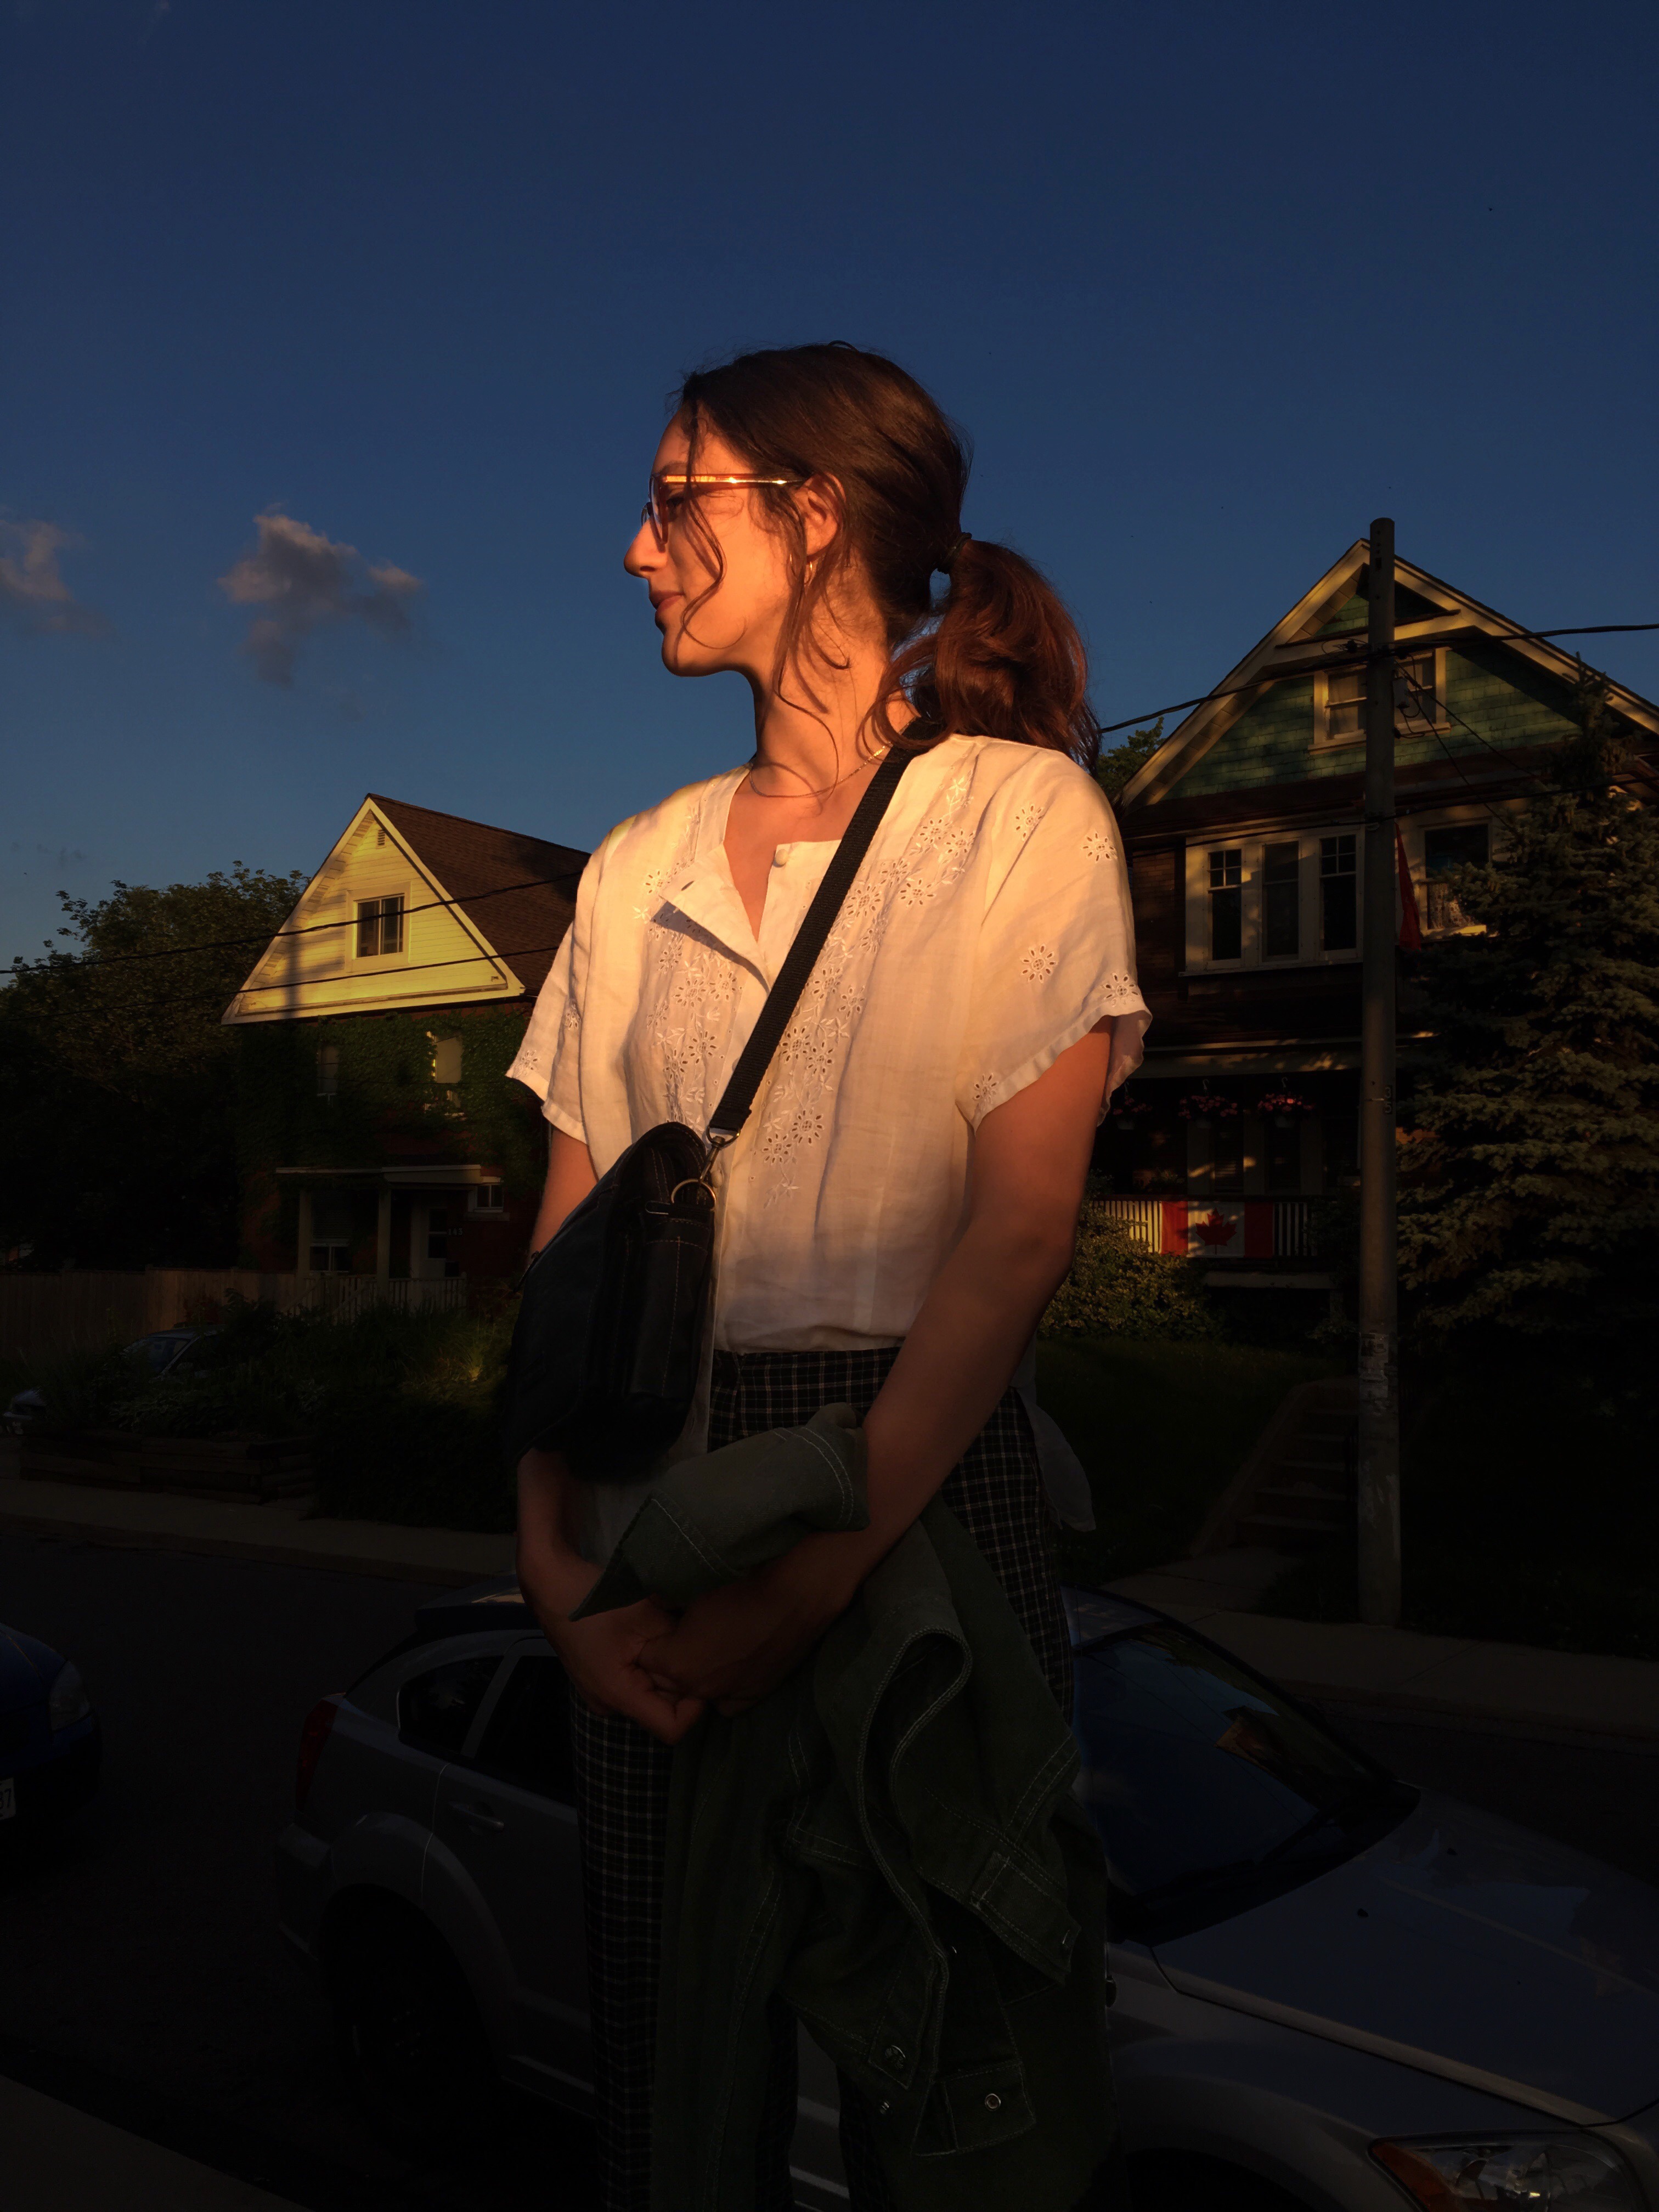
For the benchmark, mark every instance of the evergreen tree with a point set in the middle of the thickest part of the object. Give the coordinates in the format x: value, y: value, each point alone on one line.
x: 1529, y: 1173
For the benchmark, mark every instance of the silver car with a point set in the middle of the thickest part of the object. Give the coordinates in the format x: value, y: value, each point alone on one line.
x: 1333, y: 1990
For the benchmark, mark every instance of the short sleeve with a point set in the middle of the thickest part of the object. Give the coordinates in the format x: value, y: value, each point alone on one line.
x: 1056, y: 949
x: 548, y: 1060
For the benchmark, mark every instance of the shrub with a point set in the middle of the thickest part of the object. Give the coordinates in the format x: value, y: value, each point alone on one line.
x: 1115, y: 1288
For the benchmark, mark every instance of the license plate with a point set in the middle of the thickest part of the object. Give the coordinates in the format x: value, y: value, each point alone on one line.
x: 8, y: 1798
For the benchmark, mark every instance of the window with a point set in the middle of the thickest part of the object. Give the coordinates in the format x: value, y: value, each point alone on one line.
x: 489, y: 1198
x: 1463, y: 845
x: 446, y: 1060
x: 331, y: 1233
x: 1280, y: 898
x: 1227, y: 904
x: 443, y: 1224
x: 1284, y: 1155
x: 379, y: 927
x: 435, y: 1709
x: 1339, y: 699
x: 1281, y: 901
x: 328, y: 1070
x: 1339, y: 909
x: 1227, y: 1159
x: 528, y: 1738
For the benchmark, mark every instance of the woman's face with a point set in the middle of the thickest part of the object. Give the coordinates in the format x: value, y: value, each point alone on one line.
x: 739, y: 625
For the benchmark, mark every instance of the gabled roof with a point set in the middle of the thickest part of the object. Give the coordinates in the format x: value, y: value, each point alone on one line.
x: 523, y: 925
x: 1302, y: 635
x: 484, y: 912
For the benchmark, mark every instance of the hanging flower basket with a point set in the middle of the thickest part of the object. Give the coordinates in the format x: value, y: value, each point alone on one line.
x: 1127, y: 1108
x: 1284, y: 1103
x: 1208, y: 1106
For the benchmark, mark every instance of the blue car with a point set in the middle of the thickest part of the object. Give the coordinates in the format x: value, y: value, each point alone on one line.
x: 49, y: 1737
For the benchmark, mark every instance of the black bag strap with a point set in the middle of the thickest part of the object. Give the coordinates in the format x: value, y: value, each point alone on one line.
x: 739, y: 1096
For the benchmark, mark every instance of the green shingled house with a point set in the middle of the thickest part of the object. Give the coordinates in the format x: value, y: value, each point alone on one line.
x: 1243, y: 832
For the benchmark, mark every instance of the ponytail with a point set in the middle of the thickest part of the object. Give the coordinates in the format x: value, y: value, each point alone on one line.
x: 1003, y: 659
x: 998, y: 656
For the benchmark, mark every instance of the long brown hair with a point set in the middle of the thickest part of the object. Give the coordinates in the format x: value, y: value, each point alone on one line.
x: 998, y: 656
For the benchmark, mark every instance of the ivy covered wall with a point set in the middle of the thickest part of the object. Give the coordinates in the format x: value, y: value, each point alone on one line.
x: 375, y: 1100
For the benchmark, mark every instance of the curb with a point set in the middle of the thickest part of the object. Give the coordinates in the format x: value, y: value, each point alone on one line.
x: 273, y: 1535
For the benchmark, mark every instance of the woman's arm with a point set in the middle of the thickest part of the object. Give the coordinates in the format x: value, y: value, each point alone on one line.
x: 602, y: 1656
x: 1029, y: 1162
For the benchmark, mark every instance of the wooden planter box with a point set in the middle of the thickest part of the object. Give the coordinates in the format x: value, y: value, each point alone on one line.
x: 192, y: 1467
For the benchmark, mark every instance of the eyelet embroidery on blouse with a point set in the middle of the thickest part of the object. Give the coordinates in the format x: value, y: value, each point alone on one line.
x: 1097, y: 847
x: 814, y: 1046
x: 1038, y: 963
x: 1026, y: 818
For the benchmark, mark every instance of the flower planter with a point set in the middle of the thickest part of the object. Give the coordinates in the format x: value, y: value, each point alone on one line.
x: 253, y: 1471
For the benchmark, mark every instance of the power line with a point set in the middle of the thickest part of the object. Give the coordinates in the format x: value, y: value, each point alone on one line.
x: 1273, y: 676
x: 267, y: 937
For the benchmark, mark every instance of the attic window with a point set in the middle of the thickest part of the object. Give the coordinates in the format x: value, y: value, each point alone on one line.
x: 379, y: 927
x: 1419, y: 686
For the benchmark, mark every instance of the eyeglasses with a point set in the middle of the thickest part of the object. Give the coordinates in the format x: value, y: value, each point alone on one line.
x: 671, y: 487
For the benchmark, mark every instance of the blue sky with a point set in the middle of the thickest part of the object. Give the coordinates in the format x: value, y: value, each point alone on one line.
x: 1209, y: 286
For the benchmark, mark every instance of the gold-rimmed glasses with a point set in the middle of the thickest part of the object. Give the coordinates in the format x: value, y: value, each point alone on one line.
x: 671, y: 487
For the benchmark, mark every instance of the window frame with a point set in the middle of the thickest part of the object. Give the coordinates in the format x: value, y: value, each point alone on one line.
x: 371, y: 962
x: 1253, y: 845
x: 1408, y: 721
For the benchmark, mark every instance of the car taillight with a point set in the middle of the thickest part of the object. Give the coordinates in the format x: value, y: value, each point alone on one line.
x: 312, y: 1736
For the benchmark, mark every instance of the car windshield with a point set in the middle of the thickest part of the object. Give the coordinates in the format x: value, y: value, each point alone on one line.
x: 1200, y: 1779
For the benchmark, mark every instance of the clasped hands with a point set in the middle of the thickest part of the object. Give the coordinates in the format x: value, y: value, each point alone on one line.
x: 728, y: 1650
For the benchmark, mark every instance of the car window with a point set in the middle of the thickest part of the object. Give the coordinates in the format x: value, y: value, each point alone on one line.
x: 527, y: 1739
x: 153, y: 1352
x: 1196, y: 1774
x: 436, y: 1709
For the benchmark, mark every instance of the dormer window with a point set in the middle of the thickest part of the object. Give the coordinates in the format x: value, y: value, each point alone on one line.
x: 379, y: 927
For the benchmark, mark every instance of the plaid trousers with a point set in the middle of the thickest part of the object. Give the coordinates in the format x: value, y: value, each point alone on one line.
x: 621, y: 1775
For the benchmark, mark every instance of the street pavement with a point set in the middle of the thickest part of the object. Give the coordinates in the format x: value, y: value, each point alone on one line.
x: 143, y: 1979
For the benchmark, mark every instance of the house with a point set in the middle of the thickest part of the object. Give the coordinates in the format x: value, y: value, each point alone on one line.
x: 380, y: 1134
x: 1244, y: 835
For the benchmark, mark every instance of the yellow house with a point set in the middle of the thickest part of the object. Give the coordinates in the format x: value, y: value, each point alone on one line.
x: 442, y: 922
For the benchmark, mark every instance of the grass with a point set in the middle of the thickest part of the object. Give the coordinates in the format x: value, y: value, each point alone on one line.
x: 1529, y: 1510
x: 1162, y: 1429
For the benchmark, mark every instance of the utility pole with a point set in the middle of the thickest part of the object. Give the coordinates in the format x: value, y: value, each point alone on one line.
x: 1379, y: 1289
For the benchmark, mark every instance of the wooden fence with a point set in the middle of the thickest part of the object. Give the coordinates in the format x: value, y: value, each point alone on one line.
x: 44, y: 1315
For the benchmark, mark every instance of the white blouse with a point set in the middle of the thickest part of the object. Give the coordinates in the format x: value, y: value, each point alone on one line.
x: 988, y: 928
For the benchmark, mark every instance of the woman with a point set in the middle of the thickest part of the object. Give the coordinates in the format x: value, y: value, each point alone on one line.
x: 902, y: 1205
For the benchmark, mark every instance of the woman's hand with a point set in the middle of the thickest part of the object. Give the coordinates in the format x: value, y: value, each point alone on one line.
x: 733, y: 1647
x: 603, y: 1656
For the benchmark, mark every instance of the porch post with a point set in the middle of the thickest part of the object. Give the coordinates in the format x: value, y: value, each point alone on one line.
x: 302, y: 1256
x: 383, y: 1235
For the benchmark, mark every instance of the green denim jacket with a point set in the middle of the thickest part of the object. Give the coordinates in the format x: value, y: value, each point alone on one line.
x: 889, y: 1843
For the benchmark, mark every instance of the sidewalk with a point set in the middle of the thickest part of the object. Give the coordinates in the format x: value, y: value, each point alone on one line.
x: 57, y: 2159
x: 81, y: 1514
x: 1504, y: 1688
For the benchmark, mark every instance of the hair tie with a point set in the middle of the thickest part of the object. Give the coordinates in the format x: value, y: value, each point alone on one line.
x: 946, y: 566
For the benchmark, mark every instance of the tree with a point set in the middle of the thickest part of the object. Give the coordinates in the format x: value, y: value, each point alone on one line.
x: 1529, y: 1172
x: 118, y: 1085
x: 1114, y: 769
